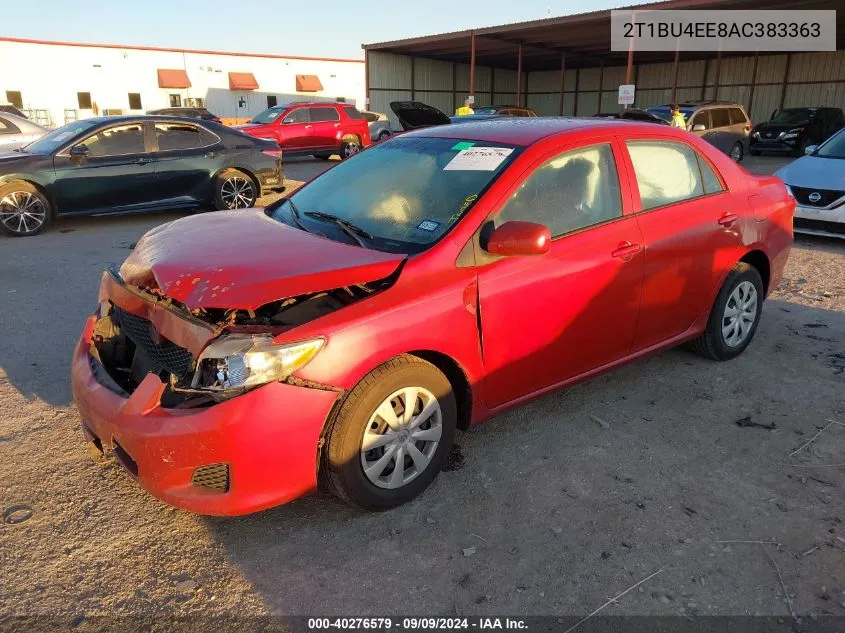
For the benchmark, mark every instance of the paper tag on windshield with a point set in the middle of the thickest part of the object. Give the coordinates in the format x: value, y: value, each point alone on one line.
x: 478, y: 159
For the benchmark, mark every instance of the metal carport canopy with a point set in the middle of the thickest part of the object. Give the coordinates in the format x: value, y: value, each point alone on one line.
x: 583, y: 37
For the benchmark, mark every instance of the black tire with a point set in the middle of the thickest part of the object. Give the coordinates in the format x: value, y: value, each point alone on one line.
x: 349, y: 147
x: 234, y: 189
x: 384, y: 134
x: 323, y: 155
x: 712, y: 344
x: 737, y: 152
x: 24, y: 211
x: 342, y: 470
x: 755, y: 152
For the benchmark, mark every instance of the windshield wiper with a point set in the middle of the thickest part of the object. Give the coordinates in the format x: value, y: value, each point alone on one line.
x: 353, y: 231
x: 295, y: 215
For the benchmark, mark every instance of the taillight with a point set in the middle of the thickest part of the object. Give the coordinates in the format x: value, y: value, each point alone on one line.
x: 272, y: 153
x: 747, y: 127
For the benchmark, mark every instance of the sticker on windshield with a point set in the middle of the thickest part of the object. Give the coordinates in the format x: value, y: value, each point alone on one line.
x: 478, y: 159
x: 463, y: 145
x: 62, y: 136
x: 428, y: 225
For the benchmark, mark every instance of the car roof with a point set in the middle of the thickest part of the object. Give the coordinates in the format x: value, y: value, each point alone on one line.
x: 21, y: 120
x: 527, y: 131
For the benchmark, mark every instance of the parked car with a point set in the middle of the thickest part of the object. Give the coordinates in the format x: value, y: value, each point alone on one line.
x: 321, y: 129
x: 379, y: 125
x: 505, y: 110
x: 721, y: 123
x: 413, y: 115
x: 817, y: 182
x: 633, y: 114
x: 16, y: 131
x: 191, y: 113
x: 794, y: 129
x: 336, y: 335
x: 129, y: 164
x: 8, y: 108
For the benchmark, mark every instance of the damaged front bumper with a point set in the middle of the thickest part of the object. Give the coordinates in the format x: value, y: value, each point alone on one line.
x: 246, y: 453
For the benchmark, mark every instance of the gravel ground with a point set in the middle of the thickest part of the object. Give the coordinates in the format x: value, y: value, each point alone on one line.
x: 545, y: 511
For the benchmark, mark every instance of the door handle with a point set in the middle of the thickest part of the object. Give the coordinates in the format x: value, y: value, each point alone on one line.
x: 308, y: 127
x: 728, y: 219
x: 625, y: 251
x: 337, y: 124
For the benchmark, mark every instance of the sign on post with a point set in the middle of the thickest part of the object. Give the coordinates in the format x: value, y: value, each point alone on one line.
x: 626, y: 94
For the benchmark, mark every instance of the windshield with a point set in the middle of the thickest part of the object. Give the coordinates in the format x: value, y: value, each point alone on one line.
x: 792, y: 115
x: 834, y: 147
x: 268, y: 116
x: 407, y: 193
x: 665, y: 112
x: 58, y: 137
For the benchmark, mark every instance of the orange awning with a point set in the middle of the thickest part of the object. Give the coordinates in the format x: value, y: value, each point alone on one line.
x: 242, y: 81
x: 308, y: 83
x: 173, y: 78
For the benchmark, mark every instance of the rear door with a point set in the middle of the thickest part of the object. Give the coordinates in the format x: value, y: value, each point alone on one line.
x: 117, y: 173
x: 186, y: 157
x: 295, y: 131
x: 325, y: 121
x: 692, y: 235
x: 552, y: 318
x: 721, y: 135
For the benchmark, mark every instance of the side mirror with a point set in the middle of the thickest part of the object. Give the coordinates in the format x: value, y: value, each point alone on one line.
x: 698, y: 127
x: 287, y: 120
x: 810, y: 149
x: 79, y: 150
x: 519, y: 239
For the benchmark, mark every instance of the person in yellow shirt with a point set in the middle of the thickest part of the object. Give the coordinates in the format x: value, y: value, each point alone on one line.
x: 678, y: 119
x: 465, y: 109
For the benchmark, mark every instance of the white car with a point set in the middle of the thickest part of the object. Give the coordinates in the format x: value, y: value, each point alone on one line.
x: 379, y: 125
x: 817, y: 182
x: 16, y: 131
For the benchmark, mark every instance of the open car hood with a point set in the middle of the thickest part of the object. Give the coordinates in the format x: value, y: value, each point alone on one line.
x: 414, y: 114
x: 244, y: 260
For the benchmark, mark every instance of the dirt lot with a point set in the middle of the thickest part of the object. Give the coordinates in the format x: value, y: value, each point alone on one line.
x: 548, y: 513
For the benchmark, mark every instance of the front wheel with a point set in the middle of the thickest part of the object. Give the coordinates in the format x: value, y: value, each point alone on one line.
x: 391, y: 436
x: 233, y: 189
x: 24, y: 210
x: 735, y: 315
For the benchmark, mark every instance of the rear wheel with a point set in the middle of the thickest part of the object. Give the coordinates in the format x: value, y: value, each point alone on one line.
x: 233, y: 189
x: 384, y: 134
x: 735, y: 315
x: 350, y: 146
x: 391, y: 436
x: 737, y: 152
x: 24, y: 210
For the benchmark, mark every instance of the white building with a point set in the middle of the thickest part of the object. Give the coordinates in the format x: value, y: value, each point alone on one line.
x: 63, y: 81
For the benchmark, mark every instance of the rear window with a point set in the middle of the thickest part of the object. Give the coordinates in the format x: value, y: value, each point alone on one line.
x: 720, y: 117
x: 737, y: 116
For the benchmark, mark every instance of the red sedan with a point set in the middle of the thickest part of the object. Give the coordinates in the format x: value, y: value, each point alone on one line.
x: 343, y: 335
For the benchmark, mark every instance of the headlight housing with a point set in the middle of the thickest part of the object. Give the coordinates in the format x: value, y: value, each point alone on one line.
x: 793, y: 133
x: 789, y: 191
x: 240, y: 361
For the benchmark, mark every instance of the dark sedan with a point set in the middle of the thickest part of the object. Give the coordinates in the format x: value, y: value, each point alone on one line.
x: 130, y: 164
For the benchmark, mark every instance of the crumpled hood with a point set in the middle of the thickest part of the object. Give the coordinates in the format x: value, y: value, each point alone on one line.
x: 814, y: 173
x: 244, y: 260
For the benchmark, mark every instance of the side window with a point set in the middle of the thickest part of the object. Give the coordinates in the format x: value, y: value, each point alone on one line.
x: 300, y: 115
x: 324, y: 114
x: 738, y: 117
x: 353, y: 113
x: 710, y: 180
x: 7, y: 127
x: 116, y: 141
x: 569, y: 192
x: 180, y: 136
x: 702, y: 118
x: 720, y: 117
x: 666, y: 171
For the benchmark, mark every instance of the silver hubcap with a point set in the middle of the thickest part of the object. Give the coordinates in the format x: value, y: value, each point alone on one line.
x: 22, y: 212
x: 238, y: 193
x: 740, y: 314
x: 736, y: 152
x: 401, y: 437
x: 350, y: 149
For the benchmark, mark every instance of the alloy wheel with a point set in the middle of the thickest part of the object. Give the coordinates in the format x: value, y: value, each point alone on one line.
x: 350, y: 149
x: 401, y: 437
x: 22, y: 212
x: 740, y: 314
x: 237, y: 192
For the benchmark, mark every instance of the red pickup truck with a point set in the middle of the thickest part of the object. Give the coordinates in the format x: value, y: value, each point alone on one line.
x: 320, y: 129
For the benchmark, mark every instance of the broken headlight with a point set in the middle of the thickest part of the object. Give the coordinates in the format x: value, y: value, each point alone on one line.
x: 239, y: 361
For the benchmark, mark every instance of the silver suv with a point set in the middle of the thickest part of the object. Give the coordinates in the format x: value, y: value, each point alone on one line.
x: 721, y: 123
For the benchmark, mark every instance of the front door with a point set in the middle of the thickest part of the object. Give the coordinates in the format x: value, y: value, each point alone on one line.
x: 115, y: 172
x: 186, y: 158
x: 550, y: 318
x: 326, y: 122
x: 295, y: 131
x: 691, y: 236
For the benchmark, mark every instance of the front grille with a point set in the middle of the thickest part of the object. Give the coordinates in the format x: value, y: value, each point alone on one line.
x: 165, y: 356
x: 820, y: 225
x: 213, y: 477
x: 826, y: 196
